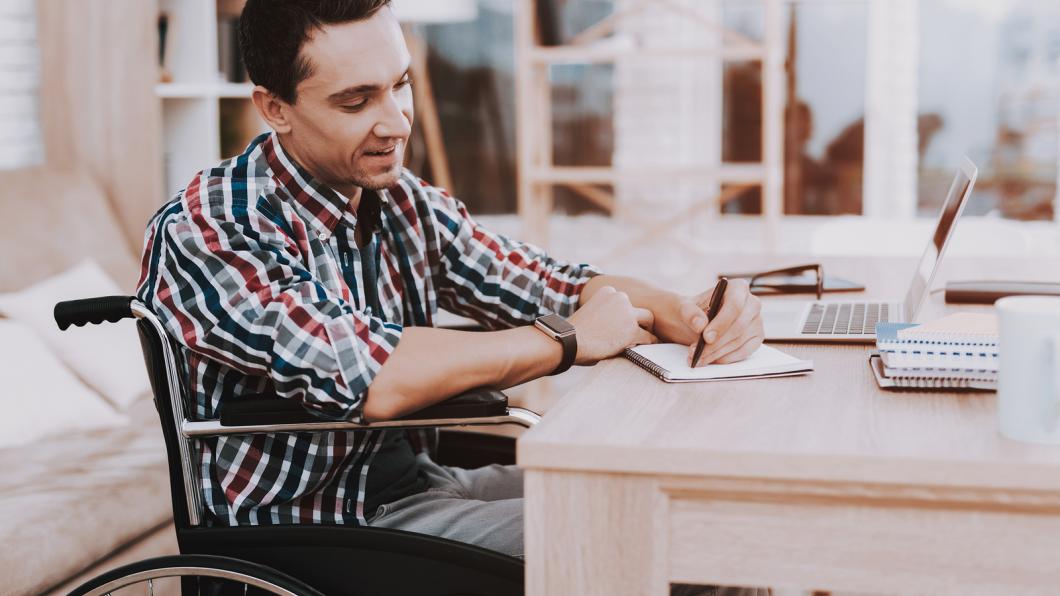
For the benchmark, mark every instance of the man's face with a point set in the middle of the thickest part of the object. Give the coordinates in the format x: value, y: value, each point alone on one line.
x: 353, y: 115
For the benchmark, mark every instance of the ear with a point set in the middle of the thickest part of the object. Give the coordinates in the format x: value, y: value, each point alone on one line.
x: 271, y: 109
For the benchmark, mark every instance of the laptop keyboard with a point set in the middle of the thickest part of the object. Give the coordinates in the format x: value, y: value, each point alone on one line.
x: 845, y: 317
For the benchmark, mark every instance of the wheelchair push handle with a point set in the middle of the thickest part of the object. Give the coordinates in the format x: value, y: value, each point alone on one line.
x: 93, y: 310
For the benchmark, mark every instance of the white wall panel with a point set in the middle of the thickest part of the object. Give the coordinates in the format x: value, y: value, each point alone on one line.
x: 20, y: 133
x: 891, y: 104
x: 668, y: 109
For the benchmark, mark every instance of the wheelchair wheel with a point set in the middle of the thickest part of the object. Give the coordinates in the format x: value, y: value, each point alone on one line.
x: 197, y: 574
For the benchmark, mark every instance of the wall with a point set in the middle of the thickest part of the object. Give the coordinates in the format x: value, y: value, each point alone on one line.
x: 98, y: 69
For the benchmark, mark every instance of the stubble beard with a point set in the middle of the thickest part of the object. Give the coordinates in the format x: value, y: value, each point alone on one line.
x: 388, y: 179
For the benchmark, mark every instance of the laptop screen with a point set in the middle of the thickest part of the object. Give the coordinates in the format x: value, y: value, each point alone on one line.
x: 951, y: 210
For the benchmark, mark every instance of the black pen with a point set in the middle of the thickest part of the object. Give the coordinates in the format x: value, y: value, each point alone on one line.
x: 712, y: 311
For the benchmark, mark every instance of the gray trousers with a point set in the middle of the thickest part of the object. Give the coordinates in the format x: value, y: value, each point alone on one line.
x: 483, y: 507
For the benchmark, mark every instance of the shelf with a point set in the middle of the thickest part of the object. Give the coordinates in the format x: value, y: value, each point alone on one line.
x: 203, y: 90
x: 611, y: 52
x: 730, y: 173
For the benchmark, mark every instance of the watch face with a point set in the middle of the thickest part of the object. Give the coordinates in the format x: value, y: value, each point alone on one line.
x: 556, y: 324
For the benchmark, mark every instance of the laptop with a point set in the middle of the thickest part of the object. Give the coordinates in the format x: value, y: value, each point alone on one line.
x: 855, y: 322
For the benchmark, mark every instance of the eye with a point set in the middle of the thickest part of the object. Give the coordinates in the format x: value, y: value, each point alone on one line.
x: 405, y: 82
x: 355, y: 106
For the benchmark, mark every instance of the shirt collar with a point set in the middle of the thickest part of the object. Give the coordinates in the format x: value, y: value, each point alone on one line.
x: 320, y: 205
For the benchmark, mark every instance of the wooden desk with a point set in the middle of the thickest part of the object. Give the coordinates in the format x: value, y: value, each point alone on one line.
x: 821, y: 481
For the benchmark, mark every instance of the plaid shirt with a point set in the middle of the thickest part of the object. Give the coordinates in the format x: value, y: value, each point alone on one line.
x: 254, y: 269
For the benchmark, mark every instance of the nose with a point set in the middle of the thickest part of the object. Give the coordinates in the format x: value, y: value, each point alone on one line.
x: 395, y: 119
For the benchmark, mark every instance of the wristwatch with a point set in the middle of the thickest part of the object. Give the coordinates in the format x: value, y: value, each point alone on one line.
x: 560, y: 330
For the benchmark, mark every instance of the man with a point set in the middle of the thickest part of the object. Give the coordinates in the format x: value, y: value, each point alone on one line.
x: 313, y: 265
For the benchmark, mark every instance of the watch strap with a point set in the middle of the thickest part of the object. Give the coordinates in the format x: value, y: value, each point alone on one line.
x: 570, y: 351
x: 560, y: 329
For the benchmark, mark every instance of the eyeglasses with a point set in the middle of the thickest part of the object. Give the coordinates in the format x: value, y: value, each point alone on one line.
x: 790, y: 280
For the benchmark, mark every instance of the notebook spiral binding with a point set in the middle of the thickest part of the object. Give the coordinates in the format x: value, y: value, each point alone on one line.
x: 938, y: 383
x: 646, y: 364
x: 950, y: 339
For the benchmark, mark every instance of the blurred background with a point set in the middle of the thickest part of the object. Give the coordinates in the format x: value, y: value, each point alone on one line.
x: 665, y: 139
x: 654, y: 127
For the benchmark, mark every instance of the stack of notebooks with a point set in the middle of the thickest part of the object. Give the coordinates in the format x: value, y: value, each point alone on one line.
x: 956, y: 352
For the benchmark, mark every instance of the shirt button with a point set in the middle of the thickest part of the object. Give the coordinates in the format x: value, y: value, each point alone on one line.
x: 323, y: 237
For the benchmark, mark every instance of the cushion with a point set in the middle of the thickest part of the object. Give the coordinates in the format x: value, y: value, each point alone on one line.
x: 58, y: 219
x: 71, y: 500
x: 106, y: 357
x: 40, y: 397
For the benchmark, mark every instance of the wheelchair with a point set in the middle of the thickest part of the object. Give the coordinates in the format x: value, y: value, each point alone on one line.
x: 300, y: 559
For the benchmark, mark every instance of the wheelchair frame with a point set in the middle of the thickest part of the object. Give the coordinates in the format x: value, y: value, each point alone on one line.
x: 161, y: 355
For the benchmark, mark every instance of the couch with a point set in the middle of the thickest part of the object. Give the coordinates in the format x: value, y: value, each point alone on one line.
x: 77, y: 503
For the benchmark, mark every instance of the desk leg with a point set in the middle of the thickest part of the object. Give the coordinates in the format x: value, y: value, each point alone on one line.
x: 594, y: 534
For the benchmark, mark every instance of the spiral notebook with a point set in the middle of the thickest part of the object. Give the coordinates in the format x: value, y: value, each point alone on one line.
x: 959, y: 351
x: 668, y: 362
x: 962, y: 329
x: 897, y: 338
x: 889, y: 379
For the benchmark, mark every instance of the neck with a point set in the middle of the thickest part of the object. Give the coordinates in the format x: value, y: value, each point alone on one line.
x: 294, y: 153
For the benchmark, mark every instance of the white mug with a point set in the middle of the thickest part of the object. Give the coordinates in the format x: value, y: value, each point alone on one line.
x: 1028, y: 392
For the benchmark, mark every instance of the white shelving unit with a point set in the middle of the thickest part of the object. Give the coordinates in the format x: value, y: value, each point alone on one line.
x: 538, y: 175
x: 192, y: 100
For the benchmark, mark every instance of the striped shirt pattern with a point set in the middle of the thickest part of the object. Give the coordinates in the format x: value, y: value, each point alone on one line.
x: 254, y: 270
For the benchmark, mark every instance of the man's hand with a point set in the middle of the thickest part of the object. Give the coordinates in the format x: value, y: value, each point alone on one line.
x: 609, y: 323
x: 732, y: 336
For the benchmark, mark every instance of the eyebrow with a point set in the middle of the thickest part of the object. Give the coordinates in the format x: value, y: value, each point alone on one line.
x: 358, y: 90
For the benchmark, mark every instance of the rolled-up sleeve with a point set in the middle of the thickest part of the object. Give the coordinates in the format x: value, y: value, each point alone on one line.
x: 237, y: 292
x: 495, y: 280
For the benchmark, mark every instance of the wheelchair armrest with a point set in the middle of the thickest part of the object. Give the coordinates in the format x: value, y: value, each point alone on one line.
x: 477, y: 403
x: 270, y: 410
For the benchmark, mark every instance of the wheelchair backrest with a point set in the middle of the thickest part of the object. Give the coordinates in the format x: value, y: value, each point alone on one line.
x: 164, y: 361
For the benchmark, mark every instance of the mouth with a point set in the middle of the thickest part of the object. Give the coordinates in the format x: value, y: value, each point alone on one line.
x: 383, y: 152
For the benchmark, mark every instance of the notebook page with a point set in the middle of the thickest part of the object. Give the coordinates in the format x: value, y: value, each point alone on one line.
x: 672, y: 358
x: 961, y: 326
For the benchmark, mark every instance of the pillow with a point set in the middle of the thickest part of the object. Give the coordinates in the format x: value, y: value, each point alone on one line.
x: 39, y: 396
x: 106, y: 357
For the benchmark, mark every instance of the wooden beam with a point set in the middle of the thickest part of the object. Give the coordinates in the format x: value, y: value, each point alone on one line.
x: 595, y: 195
x: 607, y: 26
x: 659, y: 228
x: 604, y: 53
x: 732, y: 36
x: 735, y: 173
x: 427, y: 112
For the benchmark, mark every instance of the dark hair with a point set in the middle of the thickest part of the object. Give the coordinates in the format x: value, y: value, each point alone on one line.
x: 272, y: 32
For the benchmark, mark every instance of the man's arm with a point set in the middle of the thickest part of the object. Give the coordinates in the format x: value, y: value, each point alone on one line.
x: 732, y: 336
x: 430, y: 365
x: 488, y: 277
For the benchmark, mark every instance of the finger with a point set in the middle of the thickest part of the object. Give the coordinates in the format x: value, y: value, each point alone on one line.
x: 645, y: 318
x: 747, y: 325
x: 604, y: 291
x: 751, y: 312
x: 692, y: 314
x: 719, y: 351
x: 743, y: 352
x: 731, y: 308
x: 739, y: 350
x: 642, y: 336
x: 692, y: 353
x: 702, y: 300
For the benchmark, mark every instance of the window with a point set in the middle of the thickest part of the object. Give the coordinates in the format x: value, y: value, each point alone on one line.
x: 990, y: 88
